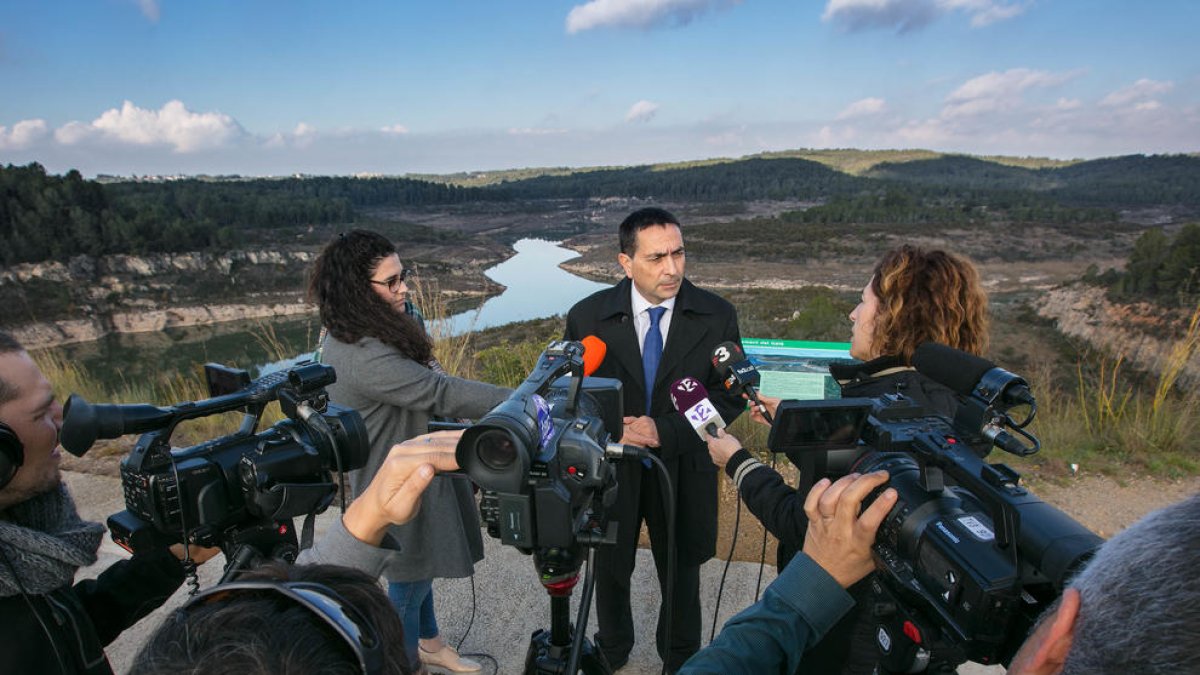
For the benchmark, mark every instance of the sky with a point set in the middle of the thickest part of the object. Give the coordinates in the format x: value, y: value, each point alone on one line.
x: 266, y: 87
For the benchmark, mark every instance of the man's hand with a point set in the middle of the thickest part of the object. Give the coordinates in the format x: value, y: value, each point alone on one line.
x: 640, y: 431
x: 769, y: 402
x: 722, y: 447
x: 838, y: 539
x: 394, y: 495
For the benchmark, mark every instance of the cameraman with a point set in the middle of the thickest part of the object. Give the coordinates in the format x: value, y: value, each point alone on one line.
x: 267, y: 628
x: 50, y: 625
x: 913, y: 296
x: 809, y: 595
x: 1135, y: 608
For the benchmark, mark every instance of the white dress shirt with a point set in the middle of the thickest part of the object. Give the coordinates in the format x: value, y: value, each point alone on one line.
x: 641, y: 317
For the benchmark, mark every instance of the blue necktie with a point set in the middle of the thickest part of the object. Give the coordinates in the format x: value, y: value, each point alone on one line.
x: 652, y: 350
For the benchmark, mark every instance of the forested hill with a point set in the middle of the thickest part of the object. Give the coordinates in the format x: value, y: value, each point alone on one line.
x: 55, y: 217
x: 1134, y: 180
x: 769, y: 179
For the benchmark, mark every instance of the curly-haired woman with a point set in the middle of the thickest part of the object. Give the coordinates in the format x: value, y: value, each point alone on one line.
x: 914, y: 295
x: 386, y: 371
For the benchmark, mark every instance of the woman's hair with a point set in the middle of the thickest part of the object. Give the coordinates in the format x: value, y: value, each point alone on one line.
x: 340, y: 285
x: 256, y: 632
x: 928, y: 296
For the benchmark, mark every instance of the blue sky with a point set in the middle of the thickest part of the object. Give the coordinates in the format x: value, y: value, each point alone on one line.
x: 268, y: 88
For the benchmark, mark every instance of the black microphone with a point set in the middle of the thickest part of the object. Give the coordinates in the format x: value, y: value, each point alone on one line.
x: 690, y: 398
x: 739, y: 375
x: 971, y: 375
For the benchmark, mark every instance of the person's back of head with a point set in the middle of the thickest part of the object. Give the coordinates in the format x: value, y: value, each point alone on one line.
x: 928, y: 295
x: 280, y: 620
x: 1140, y: 599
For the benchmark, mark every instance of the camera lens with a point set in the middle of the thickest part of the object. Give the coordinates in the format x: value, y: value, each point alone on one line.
x: 495, y: 448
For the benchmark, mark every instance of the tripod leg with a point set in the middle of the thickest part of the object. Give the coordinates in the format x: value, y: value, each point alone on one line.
x: 592, y: 662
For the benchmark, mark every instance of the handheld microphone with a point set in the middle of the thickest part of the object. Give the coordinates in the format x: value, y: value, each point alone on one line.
x: 971, y: 375
x: 691, y: 399
x: 740, y: 376
x: 594, y: 351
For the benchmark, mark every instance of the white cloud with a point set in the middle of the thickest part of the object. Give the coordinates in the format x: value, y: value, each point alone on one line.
x: 863, y: 108
x: 23, y: 134
x: 395, y: 129
x: 642, y: 111
x: 999, y: 91
x: 909, y: 15
x: 172, y: 125
x: 639, y: 13
x: 1141, y: 91
x: 150, y: 9
x: 535, y: 131
x: 1067, y: 103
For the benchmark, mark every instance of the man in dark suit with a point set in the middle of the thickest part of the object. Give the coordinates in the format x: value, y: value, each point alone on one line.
x: 659, y: 328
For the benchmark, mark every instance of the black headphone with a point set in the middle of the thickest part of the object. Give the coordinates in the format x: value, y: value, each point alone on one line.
x: 12, y: 453
x: 330, y: 608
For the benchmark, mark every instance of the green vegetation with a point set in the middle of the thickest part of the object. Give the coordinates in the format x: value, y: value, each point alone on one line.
x: 1161, y: 269
x: 51, y: 217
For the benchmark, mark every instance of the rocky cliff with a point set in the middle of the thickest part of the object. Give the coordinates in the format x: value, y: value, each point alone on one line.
x: 1144, y: 333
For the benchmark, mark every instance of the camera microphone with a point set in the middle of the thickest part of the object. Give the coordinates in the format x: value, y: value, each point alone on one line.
x: 739, y: 375
x: 690, y: 398
x: 971, y: 375
x: 594, y: 351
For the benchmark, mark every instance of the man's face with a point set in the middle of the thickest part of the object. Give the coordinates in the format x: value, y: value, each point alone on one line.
x: 656, y: 265
x: 36, y: 418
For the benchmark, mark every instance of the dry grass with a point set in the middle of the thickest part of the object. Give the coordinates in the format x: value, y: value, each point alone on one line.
x: 1116, y: 420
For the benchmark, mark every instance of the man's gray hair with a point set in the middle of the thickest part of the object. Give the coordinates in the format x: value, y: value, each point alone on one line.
x: 8, y: 345
x: 1140, y: 610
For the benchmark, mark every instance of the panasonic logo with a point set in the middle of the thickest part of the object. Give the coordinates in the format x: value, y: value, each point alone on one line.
x: 946, y: 531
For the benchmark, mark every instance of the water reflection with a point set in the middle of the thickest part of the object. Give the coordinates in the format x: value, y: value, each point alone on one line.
x: 536, y: 287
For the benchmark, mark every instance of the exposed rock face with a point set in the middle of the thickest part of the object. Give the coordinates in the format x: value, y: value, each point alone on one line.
x: 87, y: 298
x: 1144, y: 333
x: 36, y: 336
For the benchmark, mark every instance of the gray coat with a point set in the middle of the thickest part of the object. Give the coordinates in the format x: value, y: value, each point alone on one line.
x: 396, y: 397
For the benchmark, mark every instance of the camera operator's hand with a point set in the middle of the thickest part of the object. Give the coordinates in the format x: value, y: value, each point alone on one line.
x: 722, y: 447
x: 769, y: 402
x: 394, y: 495
x: 640, y: 431
x: 839, y: 539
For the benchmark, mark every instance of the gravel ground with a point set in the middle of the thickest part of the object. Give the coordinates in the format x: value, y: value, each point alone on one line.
x: 508, y: 604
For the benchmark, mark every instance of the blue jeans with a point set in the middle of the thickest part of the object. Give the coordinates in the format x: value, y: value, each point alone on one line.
x: 413, y: 601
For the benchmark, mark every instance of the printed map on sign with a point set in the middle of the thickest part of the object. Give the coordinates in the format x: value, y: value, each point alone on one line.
x: 792, y: 369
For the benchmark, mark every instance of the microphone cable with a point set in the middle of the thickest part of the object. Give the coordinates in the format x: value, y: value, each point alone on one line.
x: 737, y: 519
x: 470, y: 623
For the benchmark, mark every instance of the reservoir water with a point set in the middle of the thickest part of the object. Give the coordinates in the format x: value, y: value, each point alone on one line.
x: 535, y: 287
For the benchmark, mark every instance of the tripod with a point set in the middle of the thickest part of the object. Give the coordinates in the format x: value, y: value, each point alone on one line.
x: 563, y: 650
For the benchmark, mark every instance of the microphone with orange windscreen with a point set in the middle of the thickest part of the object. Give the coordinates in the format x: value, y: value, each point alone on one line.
x: 594, y: 351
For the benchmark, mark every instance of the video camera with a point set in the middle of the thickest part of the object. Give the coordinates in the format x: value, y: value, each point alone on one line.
x: 239, y: 491
x: 968, y: 557
x: 539, y: 455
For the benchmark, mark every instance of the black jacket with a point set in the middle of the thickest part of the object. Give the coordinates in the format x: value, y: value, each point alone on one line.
x: 780, y: 507
x: 699, y: 322
x: 65, y: 631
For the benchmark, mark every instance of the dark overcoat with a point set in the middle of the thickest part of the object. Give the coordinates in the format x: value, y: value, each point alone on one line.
x: 700, y: 321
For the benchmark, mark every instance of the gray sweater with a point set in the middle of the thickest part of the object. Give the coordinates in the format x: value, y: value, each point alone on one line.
x: 396, y: 397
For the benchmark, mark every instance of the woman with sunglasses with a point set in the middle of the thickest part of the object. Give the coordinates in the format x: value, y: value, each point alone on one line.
x: 386, y: 371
